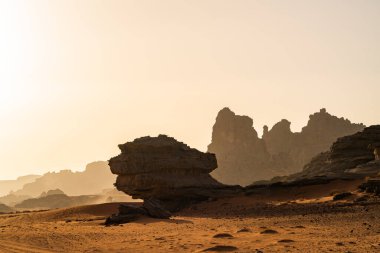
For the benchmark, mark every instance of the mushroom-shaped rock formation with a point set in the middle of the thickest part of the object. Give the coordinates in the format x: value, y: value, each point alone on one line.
x: 167, y: 170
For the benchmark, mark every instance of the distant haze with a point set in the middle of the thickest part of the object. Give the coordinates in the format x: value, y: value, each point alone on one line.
x: 79, y: 77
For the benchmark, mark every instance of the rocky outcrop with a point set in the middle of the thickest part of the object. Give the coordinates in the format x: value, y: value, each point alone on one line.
x: 244, y: 158
x: 242, y: 155
x: 349, y: 157
x: 164, y: 169
x: 297, y: 149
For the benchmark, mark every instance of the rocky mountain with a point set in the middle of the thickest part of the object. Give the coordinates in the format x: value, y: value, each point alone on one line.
x: 243, y: 157
x: 6, y: 186
x: 95, y: 178
x: 166, y: 170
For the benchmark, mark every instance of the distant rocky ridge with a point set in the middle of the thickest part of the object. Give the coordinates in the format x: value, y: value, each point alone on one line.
x: 59, y: 200
x: 163, y: 170
x: 5, y: 208
x: 93, y: 180
x: 52, y: 192
x: 6, y: 186
x: 243, y: 157
x: 12, y: 199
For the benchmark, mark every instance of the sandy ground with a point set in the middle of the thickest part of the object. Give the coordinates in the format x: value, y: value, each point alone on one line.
x: 291, y: 220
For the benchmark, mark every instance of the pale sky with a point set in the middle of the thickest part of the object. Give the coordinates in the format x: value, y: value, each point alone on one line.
x: 79, y: 77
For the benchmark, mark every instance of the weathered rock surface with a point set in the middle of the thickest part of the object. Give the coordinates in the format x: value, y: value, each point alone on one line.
x: 349, y: 156
x: 244, y: 158
x: 368, y: 169
x: 372, y: 186
x: 164, y: 169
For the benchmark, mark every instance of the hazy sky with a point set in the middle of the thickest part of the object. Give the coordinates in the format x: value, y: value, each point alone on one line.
x: 79, y: 77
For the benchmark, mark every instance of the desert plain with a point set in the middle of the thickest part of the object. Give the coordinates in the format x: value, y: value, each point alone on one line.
x: 301, y: 219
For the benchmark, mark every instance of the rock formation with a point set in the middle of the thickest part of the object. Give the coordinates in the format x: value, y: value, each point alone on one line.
x: 52, y: 192
x: 94, y: 179
x: 242, y: 155
x: 349, y: 157
x: 164, y: 169
x: 317, y: 136
x: 244, y: 158
x: 58, y: 200
x: 8, y: 186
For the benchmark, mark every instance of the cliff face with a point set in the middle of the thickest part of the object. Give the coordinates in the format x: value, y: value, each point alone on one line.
x: 241, y: 154
x: 244, y: 158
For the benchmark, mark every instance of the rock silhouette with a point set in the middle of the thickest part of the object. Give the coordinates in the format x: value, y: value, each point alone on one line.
x: 95, y: 178
x: 167, y: 170
x: 52, y: 192
x: 59, y: 200
x: 5, y: 208
x: 8, y: 186
x: 349, y: 156
x: 243, y: 157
